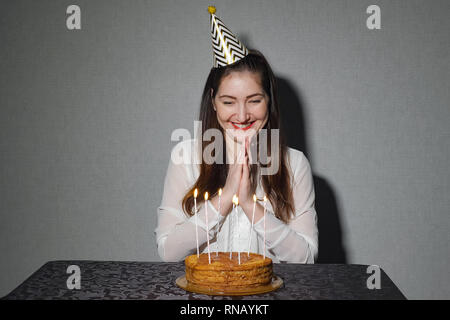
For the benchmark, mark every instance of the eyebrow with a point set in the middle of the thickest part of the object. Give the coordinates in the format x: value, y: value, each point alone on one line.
x: 250, y: 96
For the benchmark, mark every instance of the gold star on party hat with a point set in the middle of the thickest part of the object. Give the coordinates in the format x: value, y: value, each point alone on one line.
x: 227, y: 49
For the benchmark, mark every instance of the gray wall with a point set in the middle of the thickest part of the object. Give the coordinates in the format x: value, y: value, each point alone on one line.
x: 86, y: 118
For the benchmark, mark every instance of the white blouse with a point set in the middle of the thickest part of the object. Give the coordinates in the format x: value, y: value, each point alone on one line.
x: 295, y: 242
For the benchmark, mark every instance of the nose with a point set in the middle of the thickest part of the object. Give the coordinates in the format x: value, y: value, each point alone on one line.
x: 242, y: 113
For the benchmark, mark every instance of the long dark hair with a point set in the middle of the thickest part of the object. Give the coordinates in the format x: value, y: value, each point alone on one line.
x: 277, y: 186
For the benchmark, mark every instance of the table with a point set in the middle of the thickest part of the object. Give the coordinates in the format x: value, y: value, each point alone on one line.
x: 156, y: 281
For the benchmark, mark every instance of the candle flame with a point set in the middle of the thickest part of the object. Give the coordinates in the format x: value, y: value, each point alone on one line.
x: 206, y: 196
x: 235, y: 200
x: 195, y: 193
x: 265, y: 198
x: 254, y: 198
x: 220, y: 191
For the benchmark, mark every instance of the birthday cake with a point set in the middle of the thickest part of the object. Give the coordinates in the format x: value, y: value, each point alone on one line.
x: 224, y: 273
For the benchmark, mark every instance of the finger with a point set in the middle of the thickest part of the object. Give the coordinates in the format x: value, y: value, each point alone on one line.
x: 249, y: 155
x: 241, y: 154
x: 245, y: 167
x: 237, y: 156
x: 246, y: 145
x: 245, y: 181
x: 248, y: 151
x: 240, y: 165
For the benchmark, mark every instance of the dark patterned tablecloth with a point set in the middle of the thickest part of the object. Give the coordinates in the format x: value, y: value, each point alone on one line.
x: 156, y: 281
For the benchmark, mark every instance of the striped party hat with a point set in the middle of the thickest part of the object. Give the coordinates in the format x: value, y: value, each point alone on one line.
x: 227, y: 49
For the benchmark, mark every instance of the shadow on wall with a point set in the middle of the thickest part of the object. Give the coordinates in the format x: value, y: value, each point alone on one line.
x: 331, y: 249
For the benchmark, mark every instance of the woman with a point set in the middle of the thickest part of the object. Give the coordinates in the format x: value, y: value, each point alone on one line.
x: 239, y: 102
x: 237, y: 97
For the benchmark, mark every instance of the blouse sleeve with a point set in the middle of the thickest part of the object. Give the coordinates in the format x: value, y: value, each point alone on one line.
x: 175, y: 233
x: 297, y: 241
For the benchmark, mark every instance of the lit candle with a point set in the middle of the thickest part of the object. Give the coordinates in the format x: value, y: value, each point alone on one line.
x: 251, y: 229
x: 207, y: 226
x: 217, y: 226
x: 236, y: 202
x: 265, y: 201
x: 196, y: 224
x: 230, y: 216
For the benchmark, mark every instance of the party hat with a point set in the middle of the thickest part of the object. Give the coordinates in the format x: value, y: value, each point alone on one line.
x: 227, y: 49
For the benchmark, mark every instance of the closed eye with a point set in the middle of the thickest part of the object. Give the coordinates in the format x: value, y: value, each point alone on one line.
x: 255, y: 101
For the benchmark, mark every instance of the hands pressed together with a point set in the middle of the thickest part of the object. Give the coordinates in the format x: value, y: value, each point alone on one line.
x: 238, y: 183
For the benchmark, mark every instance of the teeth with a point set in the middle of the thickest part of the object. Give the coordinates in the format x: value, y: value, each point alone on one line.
x: 242, y: 125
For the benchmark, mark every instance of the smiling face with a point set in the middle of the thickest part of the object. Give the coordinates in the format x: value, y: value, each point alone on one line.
x: 241, y: 103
